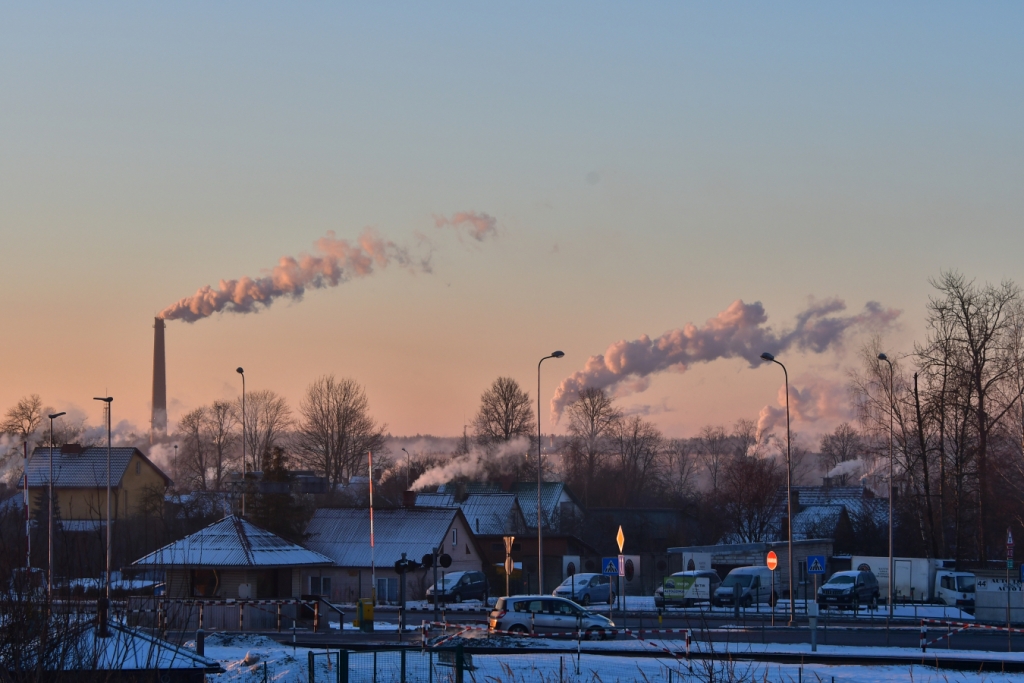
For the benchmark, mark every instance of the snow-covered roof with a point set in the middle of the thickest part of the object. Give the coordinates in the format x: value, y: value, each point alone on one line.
x: 232, y: 542
x: 488, y: 514
x: 343, y: 534
x: 82, y: 467
x: 552, y: 493
x: 128, y: 649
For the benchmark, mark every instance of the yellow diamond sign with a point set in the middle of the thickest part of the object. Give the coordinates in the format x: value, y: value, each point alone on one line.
x: 621, y: 538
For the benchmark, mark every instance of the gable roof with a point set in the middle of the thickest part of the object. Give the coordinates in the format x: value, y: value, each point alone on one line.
x: 488, y: 514
x: 129, y: 649
x: 343, y: 534
x: 86, y: 468
x: 526, y: 495
x: 232, y: 542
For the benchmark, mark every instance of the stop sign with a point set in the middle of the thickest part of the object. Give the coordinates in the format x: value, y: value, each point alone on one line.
x: 773, y: 560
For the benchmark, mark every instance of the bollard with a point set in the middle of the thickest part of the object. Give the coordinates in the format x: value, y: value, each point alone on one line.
x: 688, y: 638
x: 201, y: 642
x: 460, y: 662
x: 814, y: 632
x: 241, y: 612
x: 278, y: 617
x: 924, y: 637
x: 402, y: 679
x: 312, y: 668
x: 316, y: 616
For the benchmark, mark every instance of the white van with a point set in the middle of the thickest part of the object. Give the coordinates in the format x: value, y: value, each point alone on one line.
x: 746, y: 585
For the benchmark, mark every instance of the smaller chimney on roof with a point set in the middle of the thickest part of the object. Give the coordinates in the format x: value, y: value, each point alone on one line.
x: 409, y: 499
x: 71, y: 449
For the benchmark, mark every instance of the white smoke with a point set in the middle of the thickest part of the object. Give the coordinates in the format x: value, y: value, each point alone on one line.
x: 820, y: 399
x: 740, y: 331
x: 334, y: 261
x: 480, y: 463
x: 846, y: 468
x: 479, y: 226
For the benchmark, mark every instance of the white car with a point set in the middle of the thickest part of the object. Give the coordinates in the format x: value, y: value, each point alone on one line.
x: 547, y: 615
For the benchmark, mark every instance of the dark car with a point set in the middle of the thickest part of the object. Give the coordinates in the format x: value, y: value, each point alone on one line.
x: 849, y: 589
x: 459, y: 586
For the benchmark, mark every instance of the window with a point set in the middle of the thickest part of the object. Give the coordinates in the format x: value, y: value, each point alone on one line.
x: 455, y: 539
x: 204, y: 583
x: 947, y: 583
x: 320, y: 585
x: 138, y: 467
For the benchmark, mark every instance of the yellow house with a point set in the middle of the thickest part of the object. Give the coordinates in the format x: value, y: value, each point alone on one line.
x: 80, y: 481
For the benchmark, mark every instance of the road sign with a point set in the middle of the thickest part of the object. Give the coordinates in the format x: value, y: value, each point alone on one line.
x: 815, y: 564
x: 509, y: 565
x: 621, y: 538
x: 610, y: 566
x: 772, y: 560
x: 622, y: 565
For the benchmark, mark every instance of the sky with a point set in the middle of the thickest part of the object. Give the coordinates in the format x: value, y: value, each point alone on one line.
x: 645, y: 167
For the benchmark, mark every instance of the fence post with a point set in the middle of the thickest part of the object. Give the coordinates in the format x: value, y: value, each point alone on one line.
x: 278, y: 617
x: 460, y: 662
x: 403, y: 666
x: 200, y: 615
x: 241, y: 612
x: 688, y: 636
x: 312, y: 666
x: 342, y: 666
x: 316, y: 616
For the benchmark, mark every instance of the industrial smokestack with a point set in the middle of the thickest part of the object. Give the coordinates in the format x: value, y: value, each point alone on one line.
x: 158, y: 425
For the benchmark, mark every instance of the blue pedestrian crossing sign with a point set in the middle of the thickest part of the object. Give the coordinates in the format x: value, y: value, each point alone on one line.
x: 610, y: 566
x: 815, y: 564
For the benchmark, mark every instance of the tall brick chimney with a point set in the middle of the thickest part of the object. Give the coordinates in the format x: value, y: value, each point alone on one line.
x: 158, y: 425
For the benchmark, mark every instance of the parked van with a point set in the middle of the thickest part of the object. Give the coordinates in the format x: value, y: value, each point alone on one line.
x: 684, y: 589
x: 746, y: 585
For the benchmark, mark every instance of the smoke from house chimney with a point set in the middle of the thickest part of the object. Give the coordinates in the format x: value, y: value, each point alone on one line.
x: 158, y: 425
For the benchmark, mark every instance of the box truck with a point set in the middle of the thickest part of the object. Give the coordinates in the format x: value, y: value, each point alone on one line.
x: 920, y: 579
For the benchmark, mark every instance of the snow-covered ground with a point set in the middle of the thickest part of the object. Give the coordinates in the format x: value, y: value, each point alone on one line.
x: 247, y: 657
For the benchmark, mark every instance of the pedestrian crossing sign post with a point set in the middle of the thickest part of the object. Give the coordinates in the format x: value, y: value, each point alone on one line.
x: 610, y: 566
x: 815, y: 564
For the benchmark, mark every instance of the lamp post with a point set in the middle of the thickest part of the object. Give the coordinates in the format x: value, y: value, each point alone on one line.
x: 892, y: 399
x: 49, y: 520
x: 108, y: 400
x: 241, y: 372
x: 540, y: 526
x: 789, y: 492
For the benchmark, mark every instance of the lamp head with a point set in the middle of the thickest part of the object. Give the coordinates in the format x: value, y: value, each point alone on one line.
x: 56, y: 415
x: 767, y: 356
x: 240, y: 371
x: 105, y: 399
x: 557, y: 354
x: 406, y: 452
x: 882, y: 356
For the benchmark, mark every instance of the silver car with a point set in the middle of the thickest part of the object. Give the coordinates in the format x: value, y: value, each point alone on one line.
x: 545, y: 615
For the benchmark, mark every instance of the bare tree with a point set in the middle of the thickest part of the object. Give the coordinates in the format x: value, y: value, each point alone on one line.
x: 713, y: 447
x: 840, y: 446
x: 749, y: 492
x: 336, y: 430
x: 24, y: 417
x: 592, y: 421
x: 680, y: 458
x: 267, y: 419
x: 505, y: 413
x: 637, y: 449
x: 195, y: 450
x: 220, y: 429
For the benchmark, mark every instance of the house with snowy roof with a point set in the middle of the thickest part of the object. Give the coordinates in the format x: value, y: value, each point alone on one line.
x: 234, y: 559
x: 343, y: 535
x: 79, y: 477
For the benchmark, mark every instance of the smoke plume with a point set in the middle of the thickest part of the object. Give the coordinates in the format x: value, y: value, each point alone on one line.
x: 479, y: 226
x: 740, y: 331
x: 820, y: 399
x: 479, y: 464
x: 334, y: 261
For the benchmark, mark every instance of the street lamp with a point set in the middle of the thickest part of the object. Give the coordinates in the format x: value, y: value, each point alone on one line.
x: 49, y: 521
x: 789, y: 492
x: 108, y: 400
x: 892, y: 399
x: 540, y: 526
x: 241, y: 372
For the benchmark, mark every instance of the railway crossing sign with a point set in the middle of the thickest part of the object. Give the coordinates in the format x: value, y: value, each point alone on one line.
x: 815, y: 564
x: 773, y: 560
x: 610, y: 566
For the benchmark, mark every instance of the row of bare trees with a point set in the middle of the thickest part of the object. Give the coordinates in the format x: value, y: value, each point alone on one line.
x: 958, y: 423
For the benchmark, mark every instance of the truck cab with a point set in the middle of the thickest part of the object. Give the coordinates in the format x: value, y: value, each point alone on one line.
x: 955, y: 589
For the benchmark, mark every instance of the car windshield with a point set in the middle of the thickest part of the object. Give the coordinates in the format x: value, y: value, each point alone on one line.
x: 449, y: 581
x: 965, y: 584
x: 573, y: 580
x: 840, y: 580
x: 741, y: 580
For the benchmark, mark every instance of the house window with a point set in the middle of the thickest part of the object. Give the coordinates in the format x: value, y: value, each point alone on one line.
x: 455, y: 539
x: 205, y: 583
x: 320, y: 585
x: 138, y: 467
